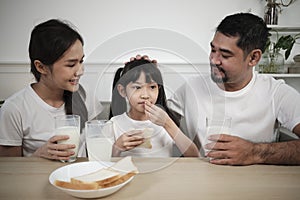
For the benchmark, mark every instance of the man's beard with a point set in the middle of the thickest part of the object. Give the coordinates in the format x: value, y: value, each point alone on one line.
x: 215, y: 78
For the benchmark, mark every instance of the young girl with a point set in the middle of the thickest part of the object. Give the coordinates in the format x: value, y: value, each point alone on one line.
x: 27, y: 117
x: 148, y: 119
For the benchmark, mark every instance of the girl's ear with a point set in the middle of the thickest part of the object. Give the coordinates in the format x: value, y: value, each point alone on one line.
x: 255, y: 56
x: 121, y: 90
x: 40, y: 67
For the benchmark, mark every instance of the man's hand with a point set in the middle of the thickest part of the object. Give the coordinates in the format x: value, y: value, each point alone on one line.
x: 231, y: 150
x: 138, y: 57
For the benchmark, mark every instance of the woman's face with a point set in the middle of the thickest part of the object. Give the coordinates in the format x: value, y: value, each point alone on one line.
x: 140, y: 92
x: 67, y: 71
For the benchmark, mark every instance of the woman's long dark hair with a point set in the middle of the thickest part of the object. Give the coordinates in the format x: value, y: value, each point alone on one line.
x: 48, y: 42
x: 130, y: 73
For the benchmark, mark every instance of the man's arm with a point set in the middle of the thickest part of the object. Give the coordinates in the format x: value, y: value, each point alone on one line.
x: 281, y: 152
x: 10, y: 151
x: 232, y: 150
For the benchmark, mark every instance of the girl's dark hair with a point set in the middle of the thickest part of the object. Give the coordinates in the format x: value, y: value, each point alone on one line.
x: 48, y: 42
x: 130, y: 73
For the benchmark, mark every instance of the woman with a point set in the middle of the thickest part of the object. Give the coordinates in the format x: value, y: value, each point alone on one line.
x: 27, y: 117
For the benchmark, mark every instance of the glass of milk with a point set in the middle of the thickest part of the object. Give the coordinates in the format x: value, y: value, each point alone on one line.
x: 216, y: 125
x: 99, y: 139
x: 68, y: 125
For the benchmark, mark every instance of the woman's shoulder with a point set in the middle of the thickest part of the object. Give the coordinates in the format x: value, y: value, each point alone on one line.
x: 19, y: 96
x: 15, y: 103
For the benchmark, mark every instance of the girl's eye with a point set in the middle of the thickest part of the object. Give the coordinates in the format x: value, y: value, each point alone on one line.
x: 153, y: 86
x: 81, y: 61
x: 136, y: 87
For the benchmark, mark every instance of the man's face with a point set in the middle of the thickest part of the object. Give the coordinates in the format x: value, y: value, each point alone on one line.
x: 228, y: 63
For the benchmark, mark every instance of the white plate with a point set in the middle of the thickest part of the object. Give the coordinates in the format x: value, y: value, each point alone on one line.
x: 77, y: 169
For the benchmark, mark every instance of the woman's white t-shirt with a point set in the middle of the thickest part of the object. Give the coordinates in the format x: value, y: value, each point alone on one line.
x: 27, y: 121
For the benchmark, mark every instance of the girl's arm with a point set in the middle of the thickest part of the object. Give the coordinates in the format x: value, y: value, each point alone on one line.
x: 161, y: 118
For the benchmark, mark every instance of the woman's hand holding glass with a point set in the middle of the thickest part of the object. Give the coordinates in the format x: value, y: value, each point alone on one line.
x: 52, y: 150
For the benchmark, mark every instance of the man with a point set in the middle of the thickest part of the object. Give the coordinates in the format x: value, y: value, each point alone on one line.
x: 255, y: 102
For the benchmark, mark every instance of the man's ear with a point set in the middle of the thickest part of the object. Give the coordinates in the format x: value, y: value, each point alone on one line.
x: 40, y: 67
x: 121, y: 90
x: 255, y: 56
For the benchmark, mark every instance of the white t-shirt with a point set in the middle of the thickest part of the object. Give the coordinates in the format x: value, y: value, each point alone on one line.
x: 26, y: 120
x: 162, y: 143
x: 253, y: 109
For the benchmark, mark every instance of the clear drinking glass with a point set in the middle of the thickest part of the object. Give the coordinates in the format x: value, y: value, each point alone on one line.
x: 69, y: 125
x: 99, y: 139
x: 214, y: 125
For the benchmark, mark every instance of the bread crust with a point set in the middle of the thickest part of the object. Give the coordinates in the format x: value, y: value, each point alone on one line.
x: 121, y: 171
x: 79, y: 186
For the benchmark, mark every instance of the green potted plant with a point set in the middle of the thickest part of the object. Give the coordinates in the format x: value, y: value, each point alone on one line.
x: 272, y: 60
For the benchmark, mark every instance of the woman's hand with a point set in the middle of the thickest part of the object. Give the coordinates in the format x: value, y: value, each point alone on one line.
x: 52, y: 150
x: 129, y: 140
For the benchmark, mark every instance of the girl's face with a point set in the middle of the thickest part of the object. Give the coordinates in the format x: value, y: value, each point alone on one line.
x: 67, y: 71
x: 140, y: 92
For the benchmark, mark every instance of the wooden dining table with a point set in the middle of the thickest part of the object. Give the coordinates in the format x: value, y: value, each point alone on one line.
x: 159, y: 178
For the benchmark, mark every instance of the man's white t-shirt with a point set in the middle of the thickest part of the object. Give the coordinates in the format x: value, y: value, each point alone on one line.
x: 162, y: 143
x: 26, y: 120
x: 253, y: 109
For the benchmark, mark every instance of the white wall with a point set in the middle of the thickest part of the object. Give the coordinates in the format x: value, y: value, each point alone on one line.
x: 175, y: 32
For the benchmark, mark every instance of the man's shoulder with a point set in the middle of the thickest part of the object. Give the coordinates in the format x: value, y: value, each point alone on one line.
x: 199, y: 80
x: 268, y: 80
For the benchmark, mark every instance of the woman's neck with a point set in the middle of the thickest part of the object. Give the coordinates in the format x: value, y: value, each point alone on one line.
x: 51, y: 96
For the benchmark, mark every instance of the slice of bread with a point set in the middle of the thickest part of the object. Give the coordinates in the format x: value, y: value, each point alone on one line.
x: 124, y: 166
x: 81, y: 186
x: 118, y: 173
x: 122, y: 179
x: 147, y: 134
x: 101, y: 177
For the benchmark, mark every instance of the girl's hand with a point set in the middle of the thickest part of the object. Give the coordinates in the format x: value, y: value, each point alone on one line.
x: 129, y: 140
x: 156, y: 114
x: 52, y: 150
